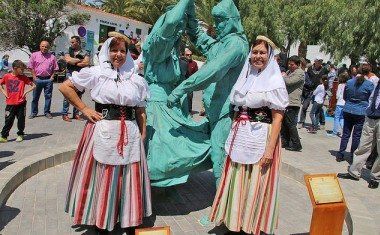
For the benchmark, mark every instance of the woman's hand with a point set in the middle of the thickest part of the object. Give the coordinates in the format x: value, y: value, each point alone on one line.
x: 273, y: 139
x: 141, y: 66
x: 91, y: 114
x: 267, y: 158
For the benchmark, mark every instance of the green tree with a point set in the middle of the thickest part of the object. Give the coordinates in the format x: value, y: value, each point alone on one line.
x: 24, y: 23
x: 203, y: 10
x: 343, y: 27
x: 147, y: 11
x: 352, y: 29
x: 113, y: 6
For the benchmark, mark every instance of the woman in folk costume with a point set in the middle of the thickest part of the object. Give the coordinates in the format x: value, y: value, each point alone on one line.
x: 247, y: 196
x: 109, y: 180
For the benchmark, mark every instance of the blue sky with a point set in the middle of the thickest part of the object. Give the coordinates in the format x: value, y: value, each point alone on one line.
x: 90, y: 1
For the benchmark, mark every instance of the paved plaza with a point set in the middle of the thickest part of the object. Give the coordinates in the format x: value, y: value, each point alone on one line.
x: 36, y: 206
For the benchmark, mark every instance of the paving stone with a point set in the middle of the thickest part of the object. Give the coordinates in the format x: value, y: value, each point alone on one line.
x: 189, y: 202
x: 184, y: 221
x: 184, y: 225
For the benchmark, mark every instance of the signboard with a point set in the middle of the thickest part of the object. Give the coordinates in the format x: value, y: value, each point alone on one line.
x: 108, y: 23
x: 82, y: 31
x: 153, y: 231
x: 90, y: 41
x: 329, y: 206
x: 326, y: 189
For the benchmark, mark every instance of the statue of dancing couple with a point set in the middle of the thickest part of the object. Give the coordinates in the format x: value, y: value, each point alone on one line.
x: 244, y: 97
x: 176, y: 144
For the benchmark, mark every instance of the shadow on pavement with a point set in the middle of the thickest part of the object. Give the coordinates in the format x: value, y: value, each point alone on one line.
x: 347, y: 156
x: 221, y: 230
x: 197, y: 194
x: 334, y: 152
x: 6, y: 153
x: 53, y: 114
x: 5, y: 164
x: 92, y: 230
x: 7, y: 214
x: 35, y: 136
x: 56, y: 114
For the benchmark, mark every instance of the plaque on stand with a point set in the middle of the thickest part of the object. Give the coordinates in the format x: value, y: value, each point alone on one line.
x: 329, y: 206
x: 153, y: 231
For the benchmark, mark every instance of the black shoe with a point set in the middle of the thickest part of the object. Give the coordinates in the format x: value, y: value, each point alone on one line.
x: 339, y: 159
x: 299, y: 149
x: 284, y: 145
x: 373, y: 184
x: 347, y: 176
x: 48, y: 116
x: 369, y: 166
x: 312, y: 130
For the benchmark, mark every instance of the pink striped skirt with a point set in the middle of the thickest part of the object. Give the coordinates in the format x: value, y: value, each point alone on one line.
x: 247, y: 196
x: 103, y: 195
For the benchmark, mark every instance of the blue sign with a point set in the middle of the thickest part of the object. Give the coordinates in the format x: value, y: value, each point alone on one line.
x: 90, y: 41
x: 82, y: 31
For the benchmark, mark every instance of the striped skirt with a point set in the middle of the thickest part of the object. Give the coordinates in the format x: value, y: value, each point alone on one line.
x: 247, y: 196
x: 103, y: 195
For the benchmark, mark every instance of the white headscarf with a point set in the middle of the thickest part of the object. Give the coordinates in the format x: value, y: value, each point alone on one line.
x: 125, y: 71
x: 250, y: 79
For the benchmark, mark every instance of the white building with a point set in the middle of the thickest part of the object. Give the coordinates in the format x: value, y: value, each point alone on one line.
x: 93, y: 32
x: 314, y: 52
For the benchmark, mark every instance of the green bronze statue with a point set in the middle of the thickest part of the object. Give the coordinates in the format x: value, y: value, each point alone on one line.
x: 226, y: 55
x: 175, y: 145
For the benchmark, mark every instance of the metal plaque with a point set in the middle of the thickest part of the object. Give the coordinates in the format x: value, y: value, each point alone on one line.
x: 326, y: 189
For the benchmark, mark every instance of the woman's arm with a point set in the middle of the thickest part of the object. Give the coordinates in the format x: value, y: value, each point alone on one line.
x: 277, y: 116
x: 69, y: 91
x: 141, y: 121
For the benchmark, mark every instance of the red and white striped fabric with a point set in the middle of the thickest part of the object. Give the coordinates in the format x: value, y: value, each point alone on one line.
x: 103, y: 195
x: 247, y: 196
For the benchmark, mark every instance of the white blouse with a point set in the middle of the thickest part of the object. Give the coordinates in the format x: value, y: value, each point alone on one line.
x: 129, y: 91
x: 276, y: 99
x: 246, y: 143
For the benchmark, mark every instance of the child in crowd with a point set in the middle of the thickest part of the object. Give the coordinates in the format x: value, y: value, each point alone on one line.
x: 15, y: 95
x: 338, y: 114
x: 319, y: 95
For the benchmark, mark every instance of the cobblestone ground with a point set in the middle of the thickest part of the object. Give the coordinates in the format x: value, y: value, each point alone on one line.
x: 317, y: 157
x: 37, y: 206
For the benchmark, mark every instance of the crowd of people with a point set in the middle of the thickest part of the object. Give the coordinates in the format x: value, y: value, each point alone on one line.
x: 255, y: 102
x: 351, y: 96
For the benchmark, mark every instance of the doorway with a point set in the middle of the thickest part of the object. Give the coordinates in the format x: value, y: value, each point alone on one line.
x: 103, y: 32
